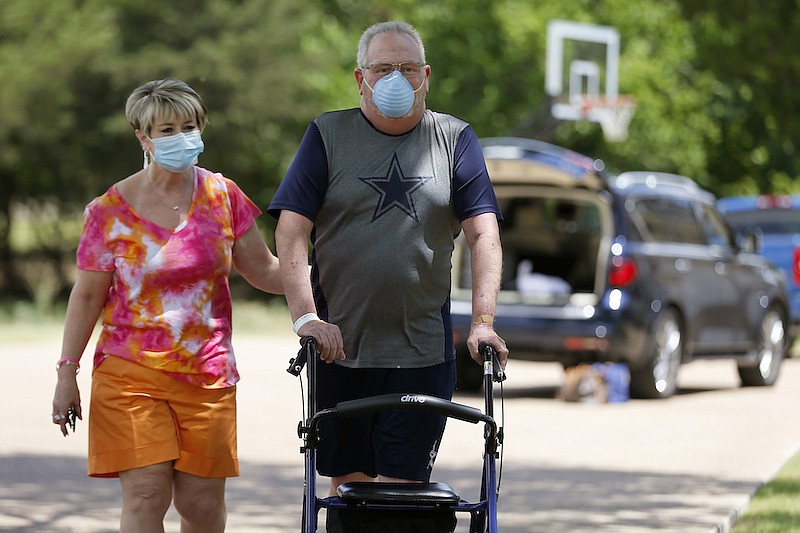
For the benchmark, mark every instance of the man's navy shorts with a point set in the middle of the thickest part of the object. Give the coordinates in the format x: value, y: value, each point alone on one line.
x: 399, y: 444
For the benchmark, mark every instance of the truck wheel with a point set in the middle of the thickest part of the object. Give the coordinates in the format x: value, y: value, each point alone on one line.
x: 658, y: 378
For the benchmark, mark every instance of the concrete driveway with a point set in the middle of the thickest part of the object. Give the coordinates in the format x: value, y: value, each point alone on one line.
x: 684, y: 465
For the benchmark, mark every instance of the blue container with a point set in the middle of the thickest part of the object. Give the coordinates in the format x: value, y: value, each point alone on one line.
x: 617, y: 378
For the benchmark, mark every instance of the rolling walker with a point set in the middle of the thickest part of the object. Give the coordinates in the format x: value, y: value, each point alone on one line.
x: 364, y: 498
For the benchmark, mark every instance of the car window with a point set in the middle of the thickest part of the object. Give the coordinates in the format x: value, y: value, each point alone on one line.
x: 669, y: 220
x: 633, y: 233
x: 715, y: 229
x: 772, y: 221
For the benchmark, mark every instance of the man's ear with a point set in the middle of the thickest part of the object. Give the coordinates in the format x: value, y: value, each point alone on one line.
x: 359, y: 76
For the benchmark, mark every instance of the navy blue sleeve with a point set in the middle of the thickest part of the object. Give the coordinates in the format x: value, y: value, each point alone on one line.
x: 303, y: 187
x: 472, y: 190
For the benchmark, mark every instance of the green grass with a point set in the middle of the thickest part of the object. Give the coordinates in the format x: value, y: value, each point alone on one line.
x: 269, y: 317
x: 24, y: 322
x: 775, y: 508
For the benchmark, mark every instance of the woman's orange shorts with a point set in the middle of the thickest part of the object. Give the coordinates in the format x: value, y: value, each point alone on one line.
x: 140, y: 417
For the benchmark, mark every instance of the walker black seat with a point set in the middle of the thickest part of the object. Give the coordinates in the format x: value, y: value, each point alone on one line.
x: 401, y: 493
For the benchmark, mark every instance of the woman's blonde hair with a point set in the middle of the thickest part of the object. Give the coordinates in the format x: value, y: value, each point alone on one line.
x: 164, y: 99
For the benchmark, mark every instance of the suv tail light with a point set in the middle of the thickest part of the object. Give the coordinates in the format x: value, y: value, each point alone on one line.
x: 623, y: 271
x: 796, y: 266
x: 773, y: 201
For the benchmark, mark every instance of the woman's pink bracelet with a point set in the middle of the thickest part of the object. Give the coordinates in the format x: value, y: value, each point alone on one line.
x: 68, y: 361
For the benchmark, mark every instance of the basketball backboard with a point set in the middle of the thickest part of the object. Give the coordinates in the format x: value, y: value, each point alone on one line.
x: 582, y: 76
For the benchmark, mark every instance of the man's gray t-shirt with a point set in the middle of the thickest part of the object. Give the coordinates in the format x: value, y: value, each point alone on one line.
x: 386, y: 209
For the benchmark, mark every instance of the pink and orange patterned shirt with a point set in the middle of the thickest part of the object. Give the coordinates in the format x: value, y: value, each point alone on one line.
x: 169, y: 306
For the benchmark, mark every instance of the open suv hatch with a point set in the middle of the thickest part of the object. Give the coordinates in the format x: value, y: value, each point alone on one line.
x: 636, y: 268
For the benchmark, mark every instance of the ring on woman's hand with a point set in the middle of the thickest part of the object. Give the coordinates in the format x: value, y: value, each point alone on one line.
x: 59, y: 417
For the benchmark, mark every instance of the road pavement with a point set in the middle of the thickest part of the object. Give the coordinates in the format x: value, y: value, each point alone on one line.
x: 687, y: 464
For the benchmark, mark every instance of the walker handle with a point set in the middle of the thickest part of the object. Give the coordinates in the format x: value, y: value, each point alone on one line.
x: 490, y: 356
x: 296, y: 364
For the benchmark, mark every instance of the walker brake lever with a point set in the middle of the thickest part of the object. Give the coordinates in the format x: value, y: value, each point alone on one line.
x: 296, y: 364
x: 490, y: 355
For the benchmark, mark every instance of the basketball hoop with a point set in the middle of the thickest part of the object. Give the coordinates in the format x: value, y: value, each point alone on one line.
x: 613, y: 114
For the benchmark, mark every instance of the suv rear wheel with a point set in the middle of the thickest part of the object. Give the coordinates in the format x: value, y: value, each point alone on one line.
x: 771, y: 351
x: 658, y: 378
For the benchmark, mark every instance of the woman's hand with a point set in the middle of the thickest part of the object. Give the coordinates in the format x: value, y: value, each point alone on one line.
x: 67, y: 397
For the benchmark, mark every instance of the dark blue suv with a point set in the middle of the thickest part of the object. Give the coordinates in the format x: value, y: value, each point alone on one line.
x: 637, y: 268
x: 775, y: 222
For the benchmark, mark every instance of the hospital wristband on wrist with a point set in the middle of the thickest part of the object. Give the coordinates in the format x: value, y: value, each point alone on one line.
x: 303, y: 320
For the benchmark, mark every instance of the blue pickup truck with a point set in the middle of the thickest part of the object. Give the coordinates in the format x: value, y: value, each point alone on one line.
x: 775, y: 220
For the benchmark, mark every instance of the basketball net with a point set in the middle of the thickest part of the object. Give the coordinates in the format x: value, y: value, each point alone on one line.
x: 613, y: 114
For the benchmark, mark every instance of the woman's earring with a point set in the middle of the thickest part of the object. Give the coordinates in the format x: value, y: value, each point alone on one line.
x: 146, y: 159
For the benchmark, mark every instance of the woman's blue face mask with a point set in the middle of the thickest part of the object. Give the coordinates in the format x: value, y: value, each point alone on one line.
x: 178, y: 152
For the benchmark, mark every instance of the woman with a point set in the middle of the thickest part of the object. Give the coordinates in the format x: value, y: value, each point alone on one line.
x: 154, y: 258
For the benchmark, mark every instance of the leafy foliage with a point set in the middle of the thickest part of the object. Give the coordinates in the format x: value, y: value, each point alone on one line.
x: 748, y: 49
x: 715, y: 82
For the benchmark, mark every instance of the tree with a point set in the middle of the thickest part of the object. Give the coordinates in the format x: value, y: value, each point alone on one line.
x: 754, y: 98
x: 51, y: 99
x: 64, y: 137
x: 487, y: 62
x: 715, y: 84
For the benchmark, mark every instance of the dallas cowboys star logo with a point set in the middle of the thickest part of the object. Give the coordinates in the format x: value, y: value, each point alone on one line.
x: 395, y: 190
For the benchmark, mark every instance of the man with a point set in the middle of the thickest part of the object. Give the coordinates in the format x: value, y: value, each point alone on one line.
x: 382, y: 191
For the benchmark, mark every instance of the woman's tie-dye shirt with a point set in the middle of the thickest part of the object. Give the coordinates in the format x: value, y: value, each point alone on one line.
x: 169, y: 306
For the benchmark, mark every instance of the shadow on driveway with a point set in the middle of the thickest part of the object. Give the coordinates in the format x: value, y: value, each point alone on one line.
x: 41, y: 493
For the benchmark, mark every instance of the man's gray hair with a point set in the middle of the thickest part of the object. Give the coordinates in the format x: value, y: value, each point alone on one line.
x: 392, y: 26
